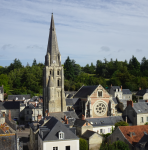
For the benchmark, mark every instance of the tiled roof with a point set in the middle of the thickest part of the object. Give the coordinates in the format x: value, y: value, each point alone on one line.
x: 85, y: 91
x: 140, y: 107
x: 138, y: 131
x: 115, y: 87
x: 126, y: 91
x: 142, y: 92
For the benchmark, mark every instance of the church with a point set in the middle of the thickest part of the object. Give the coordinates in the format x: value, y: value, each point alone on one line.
x: 91, y: 101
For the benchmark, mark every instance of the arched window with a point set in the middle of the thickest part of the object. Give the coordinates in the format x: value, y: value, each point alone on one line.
x: 58, y: 72
x: 61, y: 135
x: 50, y: 72
x: 58, y: 84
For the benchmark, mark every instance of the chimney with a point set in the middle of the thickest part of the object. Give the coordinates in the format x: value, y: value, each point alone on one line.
x: 131, y: 133
x: 48, y: 114
x: 130, y: 102
x: 65, y: 118
x: 39, y: 117
x: 126, y: 119
x: 139, y: 88
x: 111, y: 85
x: 83, y: 117
x: 66, y: 121
x: 9, y: 115
x: 3, y: 114
x: 146, y: 101
x: 121, y: 87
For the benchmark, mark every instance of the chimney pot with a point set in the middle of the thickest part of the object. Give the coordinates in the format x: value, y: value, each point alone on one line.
x: 9, y: 116
x: 139, y: 88
x: 146, y: 101
x: 83, y: 117
x: 121, y: 87
x: 65, y: 118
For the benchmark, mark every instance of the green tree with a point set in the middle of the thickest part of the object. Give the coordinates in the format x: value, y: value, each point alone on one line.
x: 34, y: 62
x: 83, y: 144
x: 146, y: 123
x: 121, y: 123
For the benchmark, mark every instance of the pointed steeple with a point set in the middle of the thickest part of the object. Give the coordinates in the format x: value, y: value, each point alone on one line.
x: 52, y: 48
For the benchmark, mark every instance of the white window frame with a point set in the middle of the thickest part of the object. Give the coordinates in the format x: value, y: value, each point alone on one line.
x: 142, y: 119
x: 56, y: 148
x: 98, y: 93
x: 61, y: 135
x: 67, y: 145
x: 101, y: 130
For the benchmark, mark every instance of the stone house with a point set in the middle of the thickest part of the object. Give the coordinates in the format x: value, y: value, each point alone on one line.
x: 33, y: 111
x: 137, y: 112
x: 94, y: 140
x: 134, y: 136
x: 14, y: 107
x: 142, y: 94
x: 95, y: 101
x: 1, y: 93
x: 57, y: 136
x: 117, y: 91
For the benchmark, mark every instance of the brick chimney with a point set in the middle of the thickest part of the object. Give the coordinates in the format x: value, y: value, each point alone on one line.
x: 121, y: 87
x: 39, y: 117
x: 66, y: 121
x: 130, y: 102
x: 83, y: 117
x: 48, y: 114
x: 3, y: 114
x: 139, y: 88
x: 146, y: 101
x: 9, y: 115
x: 65, y: 118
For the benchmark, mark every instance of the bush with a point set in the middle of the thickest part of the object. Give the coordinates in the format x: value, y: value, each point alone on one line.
x: 83, y: 144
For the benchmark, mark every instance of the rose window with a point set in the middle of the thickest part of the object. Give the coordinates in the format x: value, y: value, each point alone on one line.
x: 100, y: 109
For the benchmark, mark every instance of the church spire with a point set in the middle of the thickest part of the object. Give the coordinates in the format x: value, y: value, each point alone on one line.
x: 52, y: 48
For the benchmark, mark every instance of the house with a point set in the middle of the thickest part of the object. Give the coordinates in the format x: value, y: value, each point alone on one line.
x: 33, y: 111
x: 1, y: 93
x: 142, y: 93
x: 14, y: 107
x: 117, y: 91
x: 95, y: 101
x: 134, y: 136
x: 56, y: 136
x: 137, y: 112
x: 104, y: 125
x: 8, y: 136
x: 94, y: 140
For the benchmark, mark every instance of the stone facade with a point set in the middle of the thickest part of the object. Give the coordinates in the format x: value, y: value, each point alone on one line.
x: 53, y: 76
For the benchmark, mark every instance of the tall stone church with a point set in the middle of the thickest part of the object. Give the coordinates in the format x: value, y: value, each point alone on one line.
x: 53, y: 76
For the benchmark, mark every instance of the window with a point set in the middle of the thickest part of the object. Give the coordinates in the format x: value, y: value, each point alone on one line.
x: 58, y: 82
x: 16, y: 98
x: 23, y: 98
x: 61, y: 135
x: 67, y: 147
x: 101, y: 130
x: 147, y: 119
x: 108, y: 130
x: 58, y: 72
x: 55, y: 148
x: 32, y: 112
x: 99, y: 93
x: 141, y: 119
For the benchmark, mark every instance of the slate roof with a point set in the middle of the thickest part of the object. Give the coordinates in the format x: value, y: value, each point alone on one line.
x: 31, y: 106
x: 2, y: 90
x: 105, y: 121
x: 141, y: 92
x: 9, y: 105
x: 20, y: 97
x: 138, y: 130
x: 115, y: 87
x: 88, y: 134
x: 140, y: 107
x: 79, y: 122
x: 71, y: 102
x: 53, y: 127
x: 85, y: 91
x: 126, y: 91
x: 115, y: 100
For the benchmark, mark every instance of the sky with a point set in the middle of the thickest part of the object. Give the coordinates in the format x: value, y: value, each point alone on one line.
x: 87, y: 30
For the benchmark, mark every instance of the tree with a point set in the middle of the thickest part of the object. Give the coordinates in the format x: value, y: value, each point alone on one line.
x: 146, y: 123
x: 118, y: 145
x: 121, y: 123
x: 34, y: 62
x: 68, y: 69
x: 83, y: 144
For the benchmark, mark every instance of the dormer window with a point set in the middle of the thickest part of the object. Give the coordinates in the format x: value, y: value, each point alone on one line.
x: 61, y: 135
x: 99, y: 93
x: 23, y: 98
x: 16, y: 98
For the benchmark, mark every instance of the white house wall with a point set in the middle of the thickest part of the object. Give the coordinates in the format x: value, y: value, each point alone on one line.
x: 105, y: 129
x: 74, y: 145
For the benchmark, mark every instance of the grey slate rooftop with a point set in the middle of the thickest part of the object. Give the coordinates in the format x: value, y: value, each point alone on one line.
x: 115, y: 100
x: 140, y: 107
x: 115, y: 87
x: 9, y: 105
x: 20, y: 97
x: 71, y: 102
x: 105, y: 121
x: 141, y: 92
x: 126, y: 91
x: 31, y: 106
x: 85, y: 91
x: 52, y: 128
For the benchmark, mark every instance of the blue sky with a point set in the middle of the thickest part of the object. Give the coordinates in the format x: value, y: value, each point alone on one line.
x: 87, y: 30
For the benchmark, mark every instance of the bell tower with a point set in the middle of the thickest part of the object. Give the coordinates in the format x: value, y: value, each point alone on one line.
x: 53, y: 76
